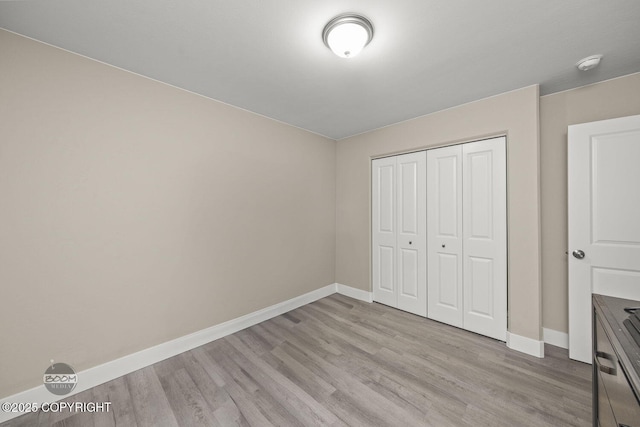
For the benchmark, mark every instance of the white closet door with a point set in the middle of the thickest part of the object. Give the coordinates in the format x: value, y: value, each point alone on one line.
x: 444, y: 231
x: 411, y: 238
x: 384, y: 233
x: 485, y: 237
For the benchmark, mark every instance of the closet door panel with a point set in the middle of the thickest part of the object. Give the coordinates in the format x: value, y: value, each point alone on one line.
x: 408, y: 270
x: 411, y: 240
x: 386, y: 268
x: 479, y: 297
x: 484, y: 247
x: 444, y: 231
x: 384, y: 247
x: 447, y: 269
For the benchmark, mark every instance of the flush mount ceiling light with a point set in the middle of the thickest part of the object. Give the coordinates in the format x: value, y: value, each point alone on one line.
x: 346, y: 35
x: 589, y: 62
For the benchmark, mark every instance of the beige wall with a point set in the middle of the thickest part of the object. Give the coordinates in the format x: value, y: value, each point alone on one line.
x: 514, y: 114
x: 133, y: 213
x: 614, y: 98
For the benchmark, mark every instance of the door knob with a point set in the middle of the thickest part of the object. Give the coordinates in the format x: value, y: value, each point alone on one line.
x: 578, y: 254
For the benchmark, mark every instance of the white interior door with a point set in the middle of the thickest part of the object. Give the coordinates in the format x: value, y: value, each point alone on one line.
x: 444, y: 231
x: 384, y: 232
x: 411, y: 238
x: 484, y: 248
x: 604, y: 220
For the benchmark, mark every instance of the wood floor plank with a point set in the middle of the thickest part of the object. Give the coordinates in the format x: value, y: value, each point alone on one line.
x: 117, y: 393
x: 150, y: 404
x: 254, y: 341
x: 300, y: 374
x: 339, y: 361
x: 356, y: 394
x: 201, y: 358
x: 298, y: 403
x: 213, y: 393
x: 186, y: 401
x: 243, y: 391
x: 203, y: 371
x: 273, y: 340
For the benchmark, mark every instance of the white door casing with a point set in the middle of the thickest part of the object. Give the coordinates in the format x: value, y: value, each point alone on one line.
x: 604, y: 220
x: 399, y: 232
x: 484, y: 183
x: 444, y: 231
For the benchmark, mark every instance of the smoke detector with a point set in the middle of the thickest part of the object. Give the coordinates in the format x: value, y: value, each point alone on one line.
x: 589, y: 62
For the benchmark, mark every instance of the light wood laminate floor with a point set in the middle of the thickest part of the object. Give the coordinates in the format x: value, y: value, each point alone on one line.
x: 339, y: 361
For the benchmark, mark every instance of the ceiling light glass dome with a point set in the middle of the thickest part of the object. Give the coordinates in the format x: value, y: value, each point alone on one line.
x: 346, y: 35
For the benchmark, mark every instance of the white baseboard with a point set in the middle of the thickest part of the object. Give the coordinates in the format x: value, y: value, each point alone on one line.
x: 525, y: 345
x: 557, y: 338
x: 354, y: 293
x: 130, y: 363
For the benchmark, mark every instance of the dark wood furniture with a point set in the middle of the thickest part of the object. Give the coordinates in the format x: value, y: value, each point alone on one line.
x: 616, y: 365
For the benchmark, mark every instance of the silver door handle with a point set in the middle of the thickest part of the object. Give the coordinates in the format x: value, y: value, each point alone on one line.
x: 578, y: 254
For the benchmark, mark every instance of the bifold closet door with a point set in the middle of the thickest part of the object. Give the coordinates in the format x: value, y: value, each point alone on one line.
x: 484, y: 225
x: 412, y: 233
x: 466, y: 229
x: 384, y: 231
x: 399, y: 232
x: 444, y: 231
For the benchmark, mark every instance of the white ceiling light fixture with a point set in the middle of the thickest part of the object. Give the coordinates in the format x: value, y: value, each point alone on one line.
x: 589, y: 62
x: 346, y: 35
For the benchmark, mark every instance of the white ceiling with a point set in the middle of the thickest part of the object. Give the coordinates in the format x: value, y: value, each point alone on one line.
x: 267, y: 56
